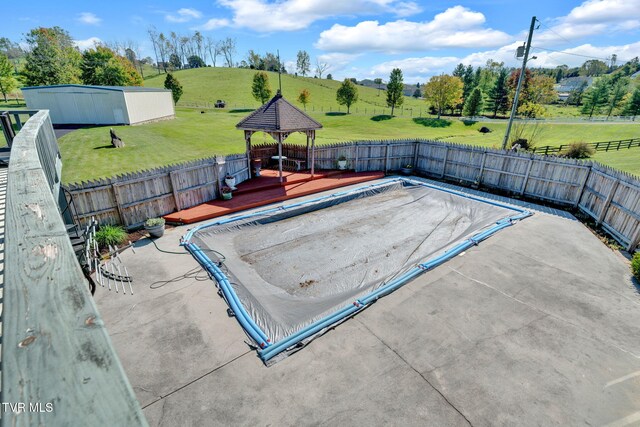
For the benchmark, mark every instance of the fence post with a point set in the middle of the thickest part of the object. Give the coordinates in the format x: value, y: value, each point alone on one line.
x: 386, y: 158
x: 444, y: 163
x: 526, y: 177
x: 484, y: 159
x: 416, y: 147
x: 356, y: 159
x: 634, y: 242
x: 116, y: 197
x: 582, y: 187
x: 173, y: 190
x: 607, y: 203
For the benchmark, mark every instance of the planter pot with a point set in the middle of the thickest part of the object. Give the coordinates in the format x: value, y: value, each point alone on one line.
x: 342, y: 164
x: 227, y: 196
x: 155, y: 231
x: 406, y: 171
x: 230, y: 182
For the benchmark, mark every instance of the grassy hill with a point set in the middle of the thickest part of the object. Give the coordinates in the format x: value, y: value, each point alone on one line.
x: 206, y: 85
x: 87, y: 153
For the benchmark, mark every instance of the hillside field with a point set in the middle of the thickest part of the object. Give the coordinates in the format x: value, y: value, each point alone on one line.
x: 203, y: 132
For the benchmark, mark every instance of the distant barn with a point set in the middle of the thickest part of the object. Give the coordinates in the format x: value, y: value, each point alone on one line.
x: 101, y: 105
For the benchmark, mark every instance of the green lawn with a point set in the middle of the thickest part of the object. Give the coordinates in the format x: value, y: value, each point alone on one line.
x: 87, y: 153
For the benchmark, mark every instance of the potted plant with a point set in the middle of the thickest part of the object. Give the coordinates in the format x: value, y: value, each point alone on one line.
x: 230, y: 181
x: 154, y: 226
x: 342, y: 162
x: 226, y: 193
x: 406, y: 169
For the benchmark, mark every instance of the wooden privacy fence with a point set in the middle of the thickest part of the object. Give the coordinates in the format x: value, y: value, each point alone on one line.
x: 131, y: 199
x: 611, y: 197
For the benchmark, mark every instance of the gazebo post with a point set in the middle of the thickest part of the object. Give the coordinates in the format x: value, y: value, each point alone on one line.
x: 279, y: 139
x: 247, y: 139
x: 308, y: 153
x: 313, y: 152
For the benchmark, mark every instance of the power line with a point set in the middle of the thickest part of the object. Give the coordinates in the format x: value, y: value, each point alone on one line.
x: 578, y: 54
x: 553, y: 31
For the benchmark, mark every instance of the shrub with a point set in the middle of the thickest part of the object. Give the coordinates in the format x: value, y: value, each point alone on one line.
x: 152, y: 222
x: 110, y: 235
x: 578, y: 150
x: 635, y: 265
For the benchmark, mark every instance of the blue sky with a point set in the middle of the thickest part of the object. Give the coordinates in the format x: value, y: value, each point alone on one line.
x: 361, y: 38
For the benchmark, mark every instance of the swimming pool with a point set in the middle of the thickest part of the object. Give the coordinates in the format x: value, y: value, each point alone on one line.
x: 291, y: 272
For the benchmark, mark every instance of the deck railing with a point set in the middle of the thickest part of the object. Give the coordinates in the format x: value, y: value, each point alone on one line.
x: 58, y: 364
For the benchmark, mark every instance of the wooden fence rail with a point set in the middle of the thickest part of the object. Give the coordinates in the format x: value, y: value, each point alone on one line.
x: 611, y: 197
x: 597, y: 146
x: 55, y: 348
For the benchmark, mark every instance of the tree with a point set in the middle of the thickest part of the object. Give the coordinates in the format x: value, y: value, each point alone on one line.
x: 378, y: 81
x: 174, y: 86
x: 195, y: 61
x: 395, y: 97
x: 596, y: 97
x: 103, y: 67
x: 576, y: 94
x: 304, y: 62
x: 53, y: 58
x: 593, y: 67
x: 153, y: 35
x: 541, y: 90
x: 228, y: 49
x: 175, y: 61
x: 417, y: 93
x: 473, y: 104
x: 304, y: 98
x: 254, y: 60
x: 7, y: 82
x: 260, y: 88
x: 443, y: 91
x: 618, y: 89
x: 321, y: 67
x: 633, y: 105
x: 499, y: 94
x: 347, y: 94
x: 329, y: 76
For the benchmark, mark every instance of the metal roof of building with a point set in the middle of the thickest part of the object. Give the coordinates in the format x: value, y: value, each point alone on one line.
x: 111, y: 88
x: 278, y: 115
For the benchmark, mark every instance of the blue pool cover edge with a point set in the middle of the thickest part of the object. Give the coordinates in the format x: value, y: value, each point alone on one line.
x: 268, y: 350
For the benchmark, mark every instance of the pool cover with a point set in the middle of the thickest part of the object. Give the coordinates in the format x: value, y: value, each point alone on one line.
x: 291, y: 272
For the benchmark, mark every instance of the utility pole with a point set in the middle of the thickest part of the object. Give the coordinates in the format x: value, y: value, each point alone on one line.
x: 514, y: 108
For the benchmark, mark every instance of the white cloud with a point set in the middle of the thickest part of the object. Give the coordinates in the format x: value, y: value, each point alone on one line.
x: 455, y: 27
x: 337, y: 61
x: 292, y: 15
x: 591, y: 18
x: 89, y: 43
x: 183, y: 15
x: 213, y: 24
x: 89, y: 18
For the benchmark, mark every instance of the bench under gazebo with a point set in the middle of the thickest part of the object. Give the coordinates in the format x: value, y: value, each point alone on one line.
x: 279, y: 118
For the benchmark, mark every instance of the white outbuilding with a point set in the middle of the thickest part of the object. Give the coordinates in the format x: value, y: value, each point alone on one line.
x: 101, y: 105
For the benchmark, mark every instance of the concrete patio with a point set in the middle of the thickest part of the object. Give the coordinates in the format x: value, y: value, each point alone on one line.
x: 538, y: 325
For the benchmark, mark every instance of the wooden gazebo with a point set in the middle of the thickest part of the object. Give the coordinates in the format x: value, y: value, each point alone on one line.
x: 279, y: 118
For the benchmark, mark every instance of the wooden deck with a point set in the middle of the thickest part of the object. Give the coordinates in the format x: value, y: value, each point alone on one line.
x: 267, y: 189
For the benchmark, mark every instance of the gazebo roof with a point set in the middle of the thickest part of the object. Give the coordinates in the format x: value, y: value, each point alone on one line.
x: 278, y: 115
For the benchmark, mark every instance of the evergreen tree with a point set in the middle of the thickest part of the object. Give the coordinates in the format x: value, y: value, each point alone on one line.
x: 260, y: 88
x: 174, y: 86
x: 596, y: 97
x: 347, y: 94
x: 618, y: 89
x: 499, y: 94
x: 417, y: 93
x: 473, y: 104
x: 395, y: 97
x: 633, y: 106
